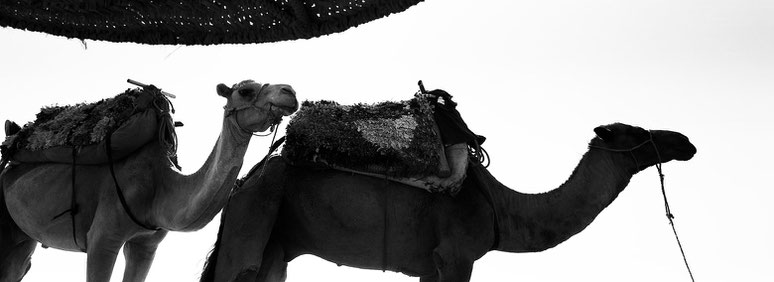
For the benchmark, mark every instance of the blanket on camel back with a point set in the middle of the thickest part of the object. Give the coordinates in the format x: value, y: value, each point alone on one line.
x: 61, y: 133
x: 395, y: 139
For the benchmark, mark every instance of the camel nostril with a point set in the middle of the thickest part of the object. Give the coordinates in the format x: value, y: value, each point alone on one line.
x: 288, y: 91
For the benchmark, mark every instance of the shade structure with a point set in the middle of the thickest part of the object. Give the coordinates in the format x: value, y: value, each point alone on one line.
x: 194, y: 22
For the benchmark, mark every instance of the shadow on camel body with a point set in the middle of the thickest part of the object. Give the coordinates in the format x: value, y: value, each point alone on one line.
x: 372, y: 223
x: 158, y: 195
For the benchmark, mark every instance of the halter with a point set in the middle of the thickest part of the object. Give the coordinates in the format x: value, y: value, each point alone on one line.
x: 249, y: 105
x: 669, y: 214
x: 631, y: 150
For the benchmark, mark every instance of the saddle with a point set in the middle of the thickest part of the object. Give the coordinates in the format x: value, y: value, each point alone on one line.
x: 396, y: 139
x: 79, y: 134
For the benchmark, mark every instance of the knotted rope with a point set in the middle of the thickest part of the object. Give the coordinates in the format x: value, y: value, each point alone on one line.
x: 669, y: 214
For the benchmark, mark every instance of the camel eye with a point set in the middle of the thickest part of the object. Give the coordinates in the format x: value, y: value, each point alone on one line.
x: 245, y: 91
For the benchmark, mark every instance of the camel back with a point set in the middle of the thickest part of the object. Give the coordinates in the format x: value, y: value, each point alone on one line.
x: 61, y: 133
x: 390, y: 138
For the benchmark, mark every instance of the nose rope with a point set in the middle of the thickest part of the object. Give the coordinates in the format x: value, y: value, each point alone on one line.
x: 669, y: 214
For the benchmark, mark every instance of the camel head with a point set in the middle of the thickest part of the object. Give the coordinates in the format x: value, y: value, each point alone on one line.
x: 646, y: 147
x: 257, y: 107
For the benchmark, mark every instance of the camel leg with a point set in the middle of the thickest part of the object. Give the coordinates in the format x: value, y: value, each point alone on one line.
x: 249, y: 218
x: 16, y: 247
x: 433, y: 278
x: 139, y: 252
x: 451, y: 266
x: 274, y: 268
x: 101, y: 255
x: 15, y: 260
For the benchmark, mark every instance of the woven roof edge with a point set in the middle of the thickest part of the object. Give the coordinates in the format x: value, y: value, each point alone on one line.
x: 295, y: 23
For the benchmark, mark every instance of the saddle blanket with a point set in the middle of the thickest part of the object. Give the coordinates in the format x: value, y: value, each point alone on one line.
x: 396, y: 139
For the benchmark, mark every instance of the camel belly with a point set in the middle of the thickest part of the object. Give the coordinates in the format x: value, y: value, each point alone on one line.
x: 39, y: 196
x: 373, y: 225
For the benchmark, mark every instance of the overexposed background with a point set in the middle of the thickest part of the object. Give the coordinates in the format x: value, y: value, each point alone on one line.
x: 535, y: 77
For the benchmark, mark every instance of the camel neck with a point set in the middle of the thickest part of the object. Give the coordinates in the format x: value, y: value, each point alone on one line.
x: 189, y: 202
x: 535, y: 222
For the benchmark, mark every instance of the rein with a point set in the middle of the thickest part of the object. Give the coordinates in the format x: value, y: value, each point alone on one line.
x: 669, y: 214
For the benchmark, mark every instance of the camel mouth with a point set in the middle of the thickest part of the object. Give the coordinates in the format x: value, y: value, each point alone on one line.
x: 284, y: 110
x: 688, y: 153
x: 686, y: 149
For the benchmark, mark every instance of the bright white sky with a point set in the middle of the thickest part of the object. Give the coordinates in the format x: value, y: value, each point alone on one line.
x: 535, y: 77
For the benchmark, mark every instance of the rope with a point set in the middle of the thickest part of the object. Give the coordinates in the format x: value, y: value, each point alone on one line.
x: 669, y: 214
x: 479, y: 154
x: 261, y: 164
x: 271, y: 149
x: 121, y: 198
x: 73, y: 203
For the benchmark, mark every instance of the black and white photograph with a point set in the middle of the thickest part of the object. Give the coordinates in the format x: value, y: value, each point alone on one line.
x: 375, y: 140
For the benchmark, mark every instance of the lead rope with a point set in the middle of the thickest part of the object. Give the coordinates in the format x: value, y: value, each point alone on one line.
x: 669, y: 214
x: 271, y: 149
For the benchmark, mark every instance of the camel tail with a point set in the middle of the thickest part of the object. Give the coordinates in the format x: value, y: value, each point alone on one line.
x: 208, y: 274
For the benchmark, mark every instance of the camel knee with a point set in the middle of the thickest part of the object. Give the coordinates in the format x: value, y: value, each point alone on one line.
x: 249, y: 274
x: 138, y: 251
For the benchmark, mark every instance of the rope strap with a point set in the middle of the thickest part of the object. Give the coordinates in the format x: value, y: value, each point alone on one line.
x: 671, y: 217
x: 669, y: 214
x: 121, y: 198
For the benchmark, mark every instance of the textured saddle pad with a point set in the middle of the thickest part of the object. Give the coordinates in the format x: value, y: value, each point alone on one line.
x: 60, y: 133
x: 391, y: 138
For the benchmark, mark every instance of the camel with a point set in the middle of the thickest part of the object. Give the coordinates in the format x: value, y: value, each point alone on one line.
x: 160, y: 197
x: 283, y: 210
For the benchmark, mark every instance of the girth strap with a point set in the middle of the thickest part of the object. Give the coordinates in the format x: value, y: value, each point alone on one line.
x: 73, y: 201
x: 120, y: 193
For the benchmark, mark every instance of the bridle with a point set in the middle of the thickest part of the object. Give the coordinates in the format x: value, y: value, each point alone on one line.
x: 669, y: 214
x: 251, y: 105
x: 632, y: 149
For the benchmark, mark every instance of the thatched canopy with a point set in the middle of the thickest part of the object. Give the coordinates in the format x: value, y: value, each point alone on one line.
x: 194, y: 22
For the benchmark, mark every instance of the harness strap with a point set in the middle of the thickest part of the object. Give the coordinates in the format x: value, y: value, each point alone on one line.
x: 121, y: 197
x: 230, y: 110
x: 73, y: 202
x: 234, y: 110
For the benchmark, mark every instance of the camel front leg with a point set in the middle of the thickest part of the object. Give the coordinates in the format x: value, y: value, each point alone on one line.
x: 16, y: 247
x: 101, y: 255
x: 139, y: 253
x: 451, y: 266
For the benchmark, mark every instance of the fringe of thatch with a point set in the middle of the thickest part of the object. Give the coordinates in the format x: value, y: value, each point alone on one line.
x: 194, y: 22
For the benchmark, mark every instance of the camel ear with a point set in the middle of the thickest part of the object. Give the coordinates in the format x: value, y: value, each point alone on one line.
x: 604, y: 133
x: 224, y: 90
x: 11, y: 128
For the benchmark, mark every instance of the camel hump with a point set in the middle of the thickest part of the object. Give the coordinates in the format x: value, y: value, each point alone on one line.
x: 11, y: 128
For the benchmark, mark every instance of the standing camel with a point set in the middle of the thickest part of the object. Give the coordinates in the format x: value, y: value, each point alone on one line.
x: 283, y: 211
x: 160, y: 197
